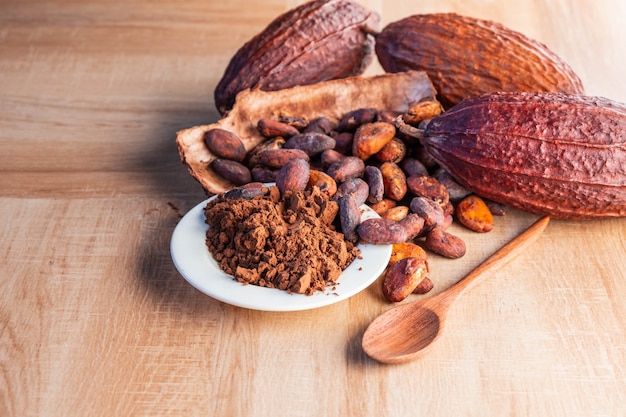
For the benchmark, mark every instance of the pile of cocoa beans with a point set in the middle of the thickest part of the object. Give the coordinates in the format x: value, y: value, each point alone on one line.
x: 365, y: 158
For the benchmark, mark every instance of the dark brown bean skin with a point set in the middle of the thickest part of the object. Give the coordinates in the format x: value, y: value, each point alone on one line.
x: 264, y: 174
x: 272, y: 128
x: 355, y: 187
x: 293, y: 177
x: 380, y: 231
x: 414, y: 225
x: 445, y: 244
x: 412, y: 166
x: 355, y: 118
x: 329, y: 157
x: 311, y: 143
x: 319, y: 125
x: 429, y: 187
x: 374, y: 179
x: 349, y: 217
x: 346, y: 168
x: 247, y: 191
x: 430, y: 211
x: 343, y: 142
x: 225, y: 144
x: 424, y: 287
x: 278, y: 158
x: 232, y: 171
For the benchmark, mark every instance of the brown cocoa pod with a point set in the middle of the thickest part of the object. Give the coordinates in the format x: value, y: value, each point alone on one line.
x: 272, y: 128
x: 430, y: 211
x: 323, y: 181
x: 402, y: 277
x: 311, y: 143
x: 394, y: 151
x: 414, y: 225
x: 424, y: 287
x: 473, y: 213
x: 349, y: 217
x: 293, y: 177
x: 278, y: 158
x: 316, y: 41
x: 370, y: 138
x: 429, y: 187
x: 355, y: 187
x: 444, y: 45
x: 394, y: 181
x: 232, y: 171
x: 374, y: 179
x: 355, y: 118
x: 225, y: 144
x: 379, y: 231
x: 319, y: 125
x: 346, y: 168
x: 445, y: 244
x: 565, y: 155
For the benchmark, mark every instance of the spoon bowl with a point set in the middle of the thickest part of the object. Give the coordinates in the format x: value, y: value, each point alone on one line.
x: 406, y: 332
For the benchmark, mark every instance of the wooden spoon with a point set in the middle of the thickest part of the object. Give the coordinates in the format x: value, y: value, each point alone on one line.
x: 405, y: 332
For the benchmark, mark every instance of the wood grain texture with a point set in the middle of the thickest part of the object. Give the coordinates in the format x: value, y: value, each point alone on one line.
x: 95, y: 320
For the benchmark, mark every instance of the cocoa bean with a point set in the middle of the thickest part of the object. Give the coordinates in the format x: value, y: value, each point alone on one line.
x: 370, y: 138
x: 323, y: 181
x: 272, y: 128
x: 311, y: 143
x: 430, y: 211
x: 394, y: 151
x: 225, y: 144
x: 232, y: 171
x: 429, y: 187
x: 293, y: 177
x: 381, y: 231
x: 445, y: 244
x: 402, y: 277
x: 374, y: 179
x: 346, y: 168
x: 473, y: 213
x: 355, y: 118
x: 414, y: 225
x: 277, y: 158
x: 349, y: 217
x: 394, y: 181
x: 355, y: 187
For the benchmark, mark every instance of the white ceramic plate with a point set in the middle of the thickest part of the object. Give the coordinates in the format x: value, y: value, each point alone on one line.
x: 196, y: 264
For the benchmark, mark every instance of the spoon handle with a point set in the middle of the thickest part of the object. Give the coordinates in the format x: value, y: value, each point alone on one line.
x: 502, y: 256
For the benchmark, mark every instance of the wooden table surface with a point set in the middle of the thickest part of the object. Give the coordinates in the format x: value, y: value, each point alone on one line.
x: 96, y: 321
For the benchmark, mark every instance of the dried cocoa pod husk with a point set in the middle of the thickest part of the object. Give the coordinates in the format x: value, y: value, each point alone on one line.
x: 316, y: 41
x: 552, y: 154
x: 330, y: 99
x: 445, y: 46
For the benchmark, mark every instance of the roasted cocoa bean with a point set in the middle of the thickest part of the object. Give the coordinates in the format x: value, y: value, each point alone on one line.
x: 413, y: 166
x: 381, y: 207
x: 374, y: 179
x: 396, y: 213
x: 430, y: 211
x: 424, y: 287
x: 394, y: 151
x: 232, y: 171
x: 225, y: 144
x: 403, y: 250
x: 349, y: 217
x: 272, y: 128
x: 455, y: 190
x: 253, y: 158
x: 343, y: 142
x: 355, y: 187
x: 402, y: 277
x: 473, y: 213
x: 414, y: 225
x: 311, y: 143
x: 323, y: 181
x: 370, y: 138
x: 423, y: 110
x: 247, y: 191
x: 429, y: 187
x: 355, y: 118
x: 329, y: 157
x: 346, y: 168
x: 394, y: 181
x: 381, y: 231
x: 278, y: 158
x: 319, y: 125
x: 445, y: 244
x: 264, y: 174
x: 293, y: 177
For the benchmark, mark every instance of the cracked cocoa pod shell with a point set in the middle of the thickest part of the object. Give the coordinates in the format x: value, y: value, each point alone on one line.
x: 466, y: 57
x: 553, y: 154
x: 316, y: 41
x: 330, y: 99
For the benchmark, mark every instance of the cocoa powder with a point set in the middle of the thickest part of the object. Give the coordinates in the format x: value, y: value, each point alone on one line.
x: 289, y: 242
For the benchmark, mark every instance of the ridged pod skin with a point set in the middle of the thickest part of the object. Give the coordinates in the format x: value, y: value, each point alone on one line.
x: 552, y: 154
x: 316, y: 41
x: 466, y: 57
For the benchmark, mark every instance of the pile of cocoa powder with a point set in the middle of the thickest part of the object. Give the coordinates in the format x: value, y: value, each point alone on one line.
x: 289, y: 242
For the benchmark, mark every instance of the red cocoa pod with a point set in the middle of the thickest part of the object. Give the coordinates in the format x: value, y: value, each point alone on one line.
x: 429, y: 187
x: 414, y: 225
x: 316, y: 41
x: 370, y: 138
x: 565, y: 155
x: 445, y: 244
x: 232, y: 171
x: 424, y: 287
x: 346, y: 168
x: 393, y: 151
x: 264, y: 174
x: 272, y: 128
x: 430, y: 211
x: 323, y: 181
x: 225, y: 144
x: 355, y: 118
x: 349, y: 217
x: 379, y: 231
x: 311, y: 143
x: 278, y: 158
x: 473, y: 213
x: 374, y: 179
x: 444, y: 45
x: 402, y: 277
x: 319, y: 125
x: 394, y: 181
x: 293, y: 177
x: 355, y: 187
